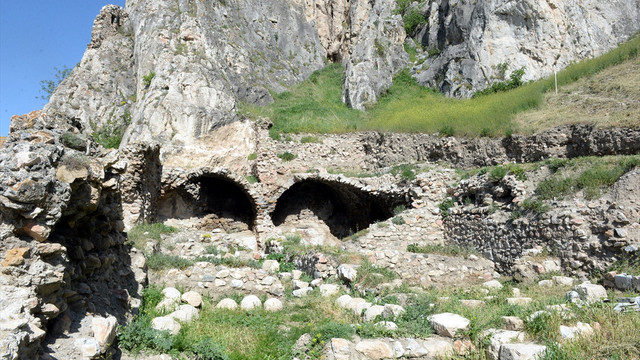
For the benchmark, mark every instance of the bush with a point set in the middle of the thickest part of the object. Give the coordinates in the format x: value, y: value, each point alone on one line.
x: 398, y: 220
x: 445, y: 205
x: 287, y: 156
x: 160, y: 261
x: 497, y: 173
x: 208, y: 349
x: 252, y: 156
x: 407, y: 172
x: 76, y: 161
x: 447, y: 131
x: 146, y: 80
x: 535, y: 206
x: 73, y: 141
x: 413, y: 18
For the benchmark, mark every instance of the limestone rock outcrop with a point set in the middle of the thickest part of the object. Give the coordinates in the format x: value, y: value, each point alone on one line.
x: 175, y: 71
x: 475, y: 43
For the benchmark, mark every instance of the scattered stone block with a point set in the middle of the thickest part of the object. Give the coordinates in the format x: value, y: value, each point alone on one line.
x: 104, y: 330
x: 88, y: 347
x: 228, y: 304
x: 166, y: 323
x: 562, y: 280
x: 192, y: 298
x: 250, y: 302
x: 571, y: 332
x: 271, y: 266
x: 521, y: 351
x: 438, y: 347
x: 498, y: 338
x: 391, y: 311
x: 347, y: 273
x: 185, y: 313
x: 448, y: 324
x: 522, y: 301
x: 492, y: 285
x: 296, y: 274
x: 471, y: 303
x: 623, y: 281
x: 299, y: 284
x: 591, y: 293
x: 545, y: 283
x: 329, y: 289
x: 373, y: 312
x: 343, y: 301
x: 273, y: 304
x: 171, y: 293
x: 302, y: 292
x: 375, y: 349
x: 513, y: 323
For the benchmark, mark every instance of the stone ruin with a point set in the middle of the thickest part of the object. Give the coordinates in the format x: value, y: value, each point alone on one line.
x: 67, y: 204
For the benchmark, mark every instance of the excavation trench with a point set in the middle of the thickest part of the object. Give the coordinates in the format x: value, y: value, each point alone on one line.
x: 344, y: 208
x: 219, y: 201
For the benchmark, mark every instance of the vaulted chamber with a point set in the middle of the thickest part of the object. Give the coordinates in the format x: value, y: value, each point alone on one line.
x: 221, y: 200
x: 344, y: 208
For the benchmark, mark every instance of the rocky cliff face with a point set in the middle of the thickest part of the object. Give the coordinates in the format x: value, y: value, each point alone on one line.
x: 474, y: 43
x: 178, y: 70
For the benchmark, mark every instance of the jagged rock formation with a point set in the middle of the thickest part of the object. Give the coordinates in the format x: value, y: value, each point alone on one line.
x: 178, y: 70
x: 469, y: 40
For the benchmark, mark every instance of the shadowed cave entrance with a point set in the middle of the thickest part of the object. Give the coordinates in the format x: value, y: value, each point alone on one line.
x: 345, y: 209
x: 220, y: 203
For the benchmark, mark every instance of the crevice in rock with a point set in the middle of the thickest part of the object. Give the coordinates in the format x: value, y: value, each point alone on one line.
x: 221, y: 201
x: 344, y: 208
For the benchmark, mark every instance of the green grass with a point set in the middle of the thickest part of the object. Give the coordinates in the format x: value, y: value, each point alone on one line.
x: 141, y: 233
x: 315, y: 105
x: 593, y: 175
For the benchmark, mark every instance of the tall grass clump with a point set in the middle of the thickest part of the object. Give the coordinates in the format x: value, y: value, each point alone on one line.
x: 313, y: 106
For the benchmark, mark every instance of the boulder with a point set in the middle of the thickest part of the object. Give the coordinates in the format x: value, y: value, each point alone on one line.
x: 250, y: 302
x: 273, y: 304
x: 185, y: 313
x: 347, y: 273
x: 521, y: 351
x: 166, y: 323
x: 329, y: 289
x: 104, y: 330
x: 448, y: 324
x: 591, y: 293
x: 374, y: 311
x: 227, y: 303
x: 192, y: 298
x: 375, y: 349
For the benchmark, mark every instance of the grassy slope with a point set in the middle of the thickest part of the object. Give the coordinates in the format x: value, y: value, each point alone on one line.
x: 587, y: 95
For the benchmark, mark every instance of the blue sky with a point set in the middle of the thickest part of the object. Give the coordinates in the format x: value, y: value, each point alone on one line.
x: 35, y: 37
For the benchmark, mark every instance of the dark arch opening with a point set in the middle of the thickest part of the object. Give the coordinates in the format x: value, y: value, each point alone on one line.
x: 216, y: 197
x: 345, y: 209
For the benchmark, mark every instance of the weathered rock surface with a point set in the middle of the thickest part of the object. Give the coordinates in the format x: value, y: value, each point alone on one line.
x: 471, y: 41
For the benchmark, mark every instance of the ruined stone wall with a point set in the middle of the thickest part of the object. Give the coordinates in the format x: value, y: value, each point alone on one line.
x: 586, y: 235
x: 386, y: 149
x: 64, y: 258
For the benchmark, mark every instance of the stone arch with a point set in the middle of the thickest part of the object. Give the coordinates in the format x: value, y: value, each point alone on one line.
x: 343, y: 207
x: 216, y: 195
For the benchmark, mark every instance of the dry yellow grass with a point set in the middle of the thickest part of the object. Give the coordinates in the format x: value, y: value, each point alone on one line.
x: 607, y: 99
